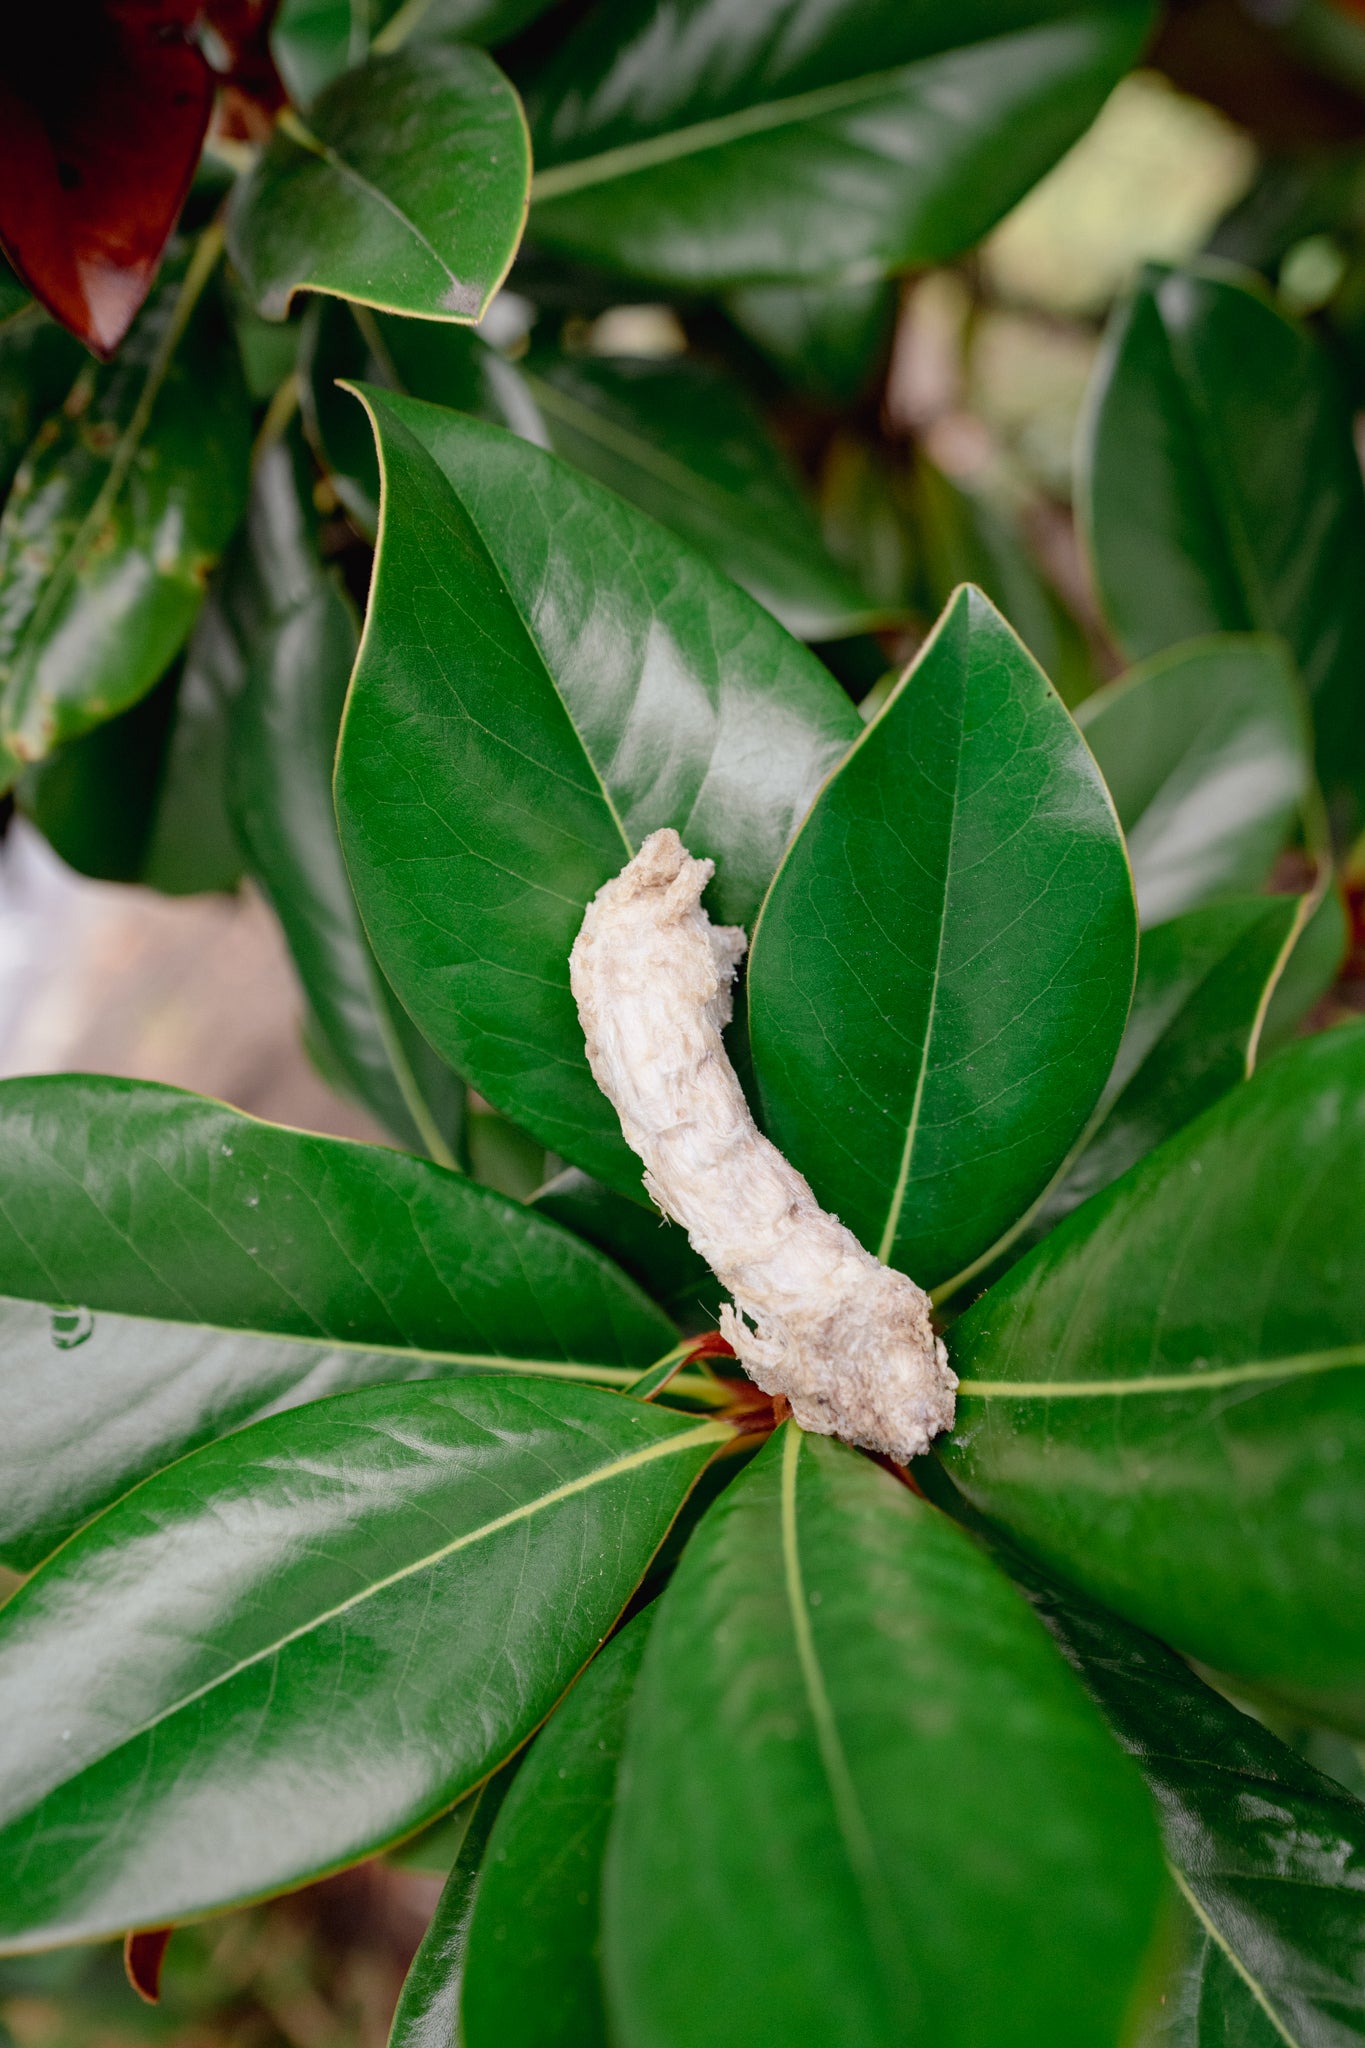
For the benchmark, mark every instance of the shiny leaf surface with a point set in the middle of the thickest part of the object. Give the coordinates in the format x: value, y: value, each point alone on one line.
x: 1165, y: 1401
x: 296, y: 637
x: 545, y: 678
x: 680, y: 440
x: 852, y: 1750
x: 405, y: 189
x: 531, y: 1970
x: 430, y: 359
x: 1269, y: 1853
x: 122, y: 506
x: 428, y: 2010
x: 676, y: 437
x: 1224, y: 493
x: 130, y: 1214
x: 301, y: 1642
x: 1208, y: 757
x: 703, y: 145
x: 1204, y: 982
x: 102, y: 113
x: 940, y: 975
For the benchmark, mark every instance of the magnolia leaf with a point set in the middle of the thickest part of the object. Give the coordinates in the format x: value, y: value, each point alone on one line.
x: 1222, y: 491
x: 172, y: 1269
x: 1165, y: 1401
x: 940, y: 974
x: 859, y: 1781
x: 204, y: 1681
x: 705, y: 148
x: 405, y: 188
x: 568, y: 679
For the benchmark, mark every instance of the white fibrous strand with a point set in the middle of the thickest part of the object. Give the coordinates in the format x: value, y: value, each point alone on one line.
x: 816, y: 1317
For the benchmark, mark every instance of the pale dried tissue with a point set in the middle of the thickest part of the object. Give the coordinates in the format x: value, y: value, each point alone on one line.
x: 816, y: 1317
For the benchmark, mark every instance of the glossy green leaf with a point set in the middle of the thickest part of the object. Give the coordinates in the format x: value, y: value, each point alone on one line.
x: 1224, y: 493
x: 650, y: 1248
x: 129, y: 1214
x: 703, y: 145
x: 674, y: 436
x: 546, y: 677
x: 451, y: 366
x: 940, y: 975
x: 531, y: 1970
x: 121, y: 508
x: 297, y: 637
x: 1204, y: 983
x: 38, y: 365
x: 961, y: 536
x: 301, y: 1642
x: 1268, y: 1853
x: 314, y: 41
x: 428, y: 2010
x: 406, y: 189
x: 828, y: 339
x: 1165, y: 1401
x: 861, y: 1785
x: 1207, y: 754
x: 679, y: 439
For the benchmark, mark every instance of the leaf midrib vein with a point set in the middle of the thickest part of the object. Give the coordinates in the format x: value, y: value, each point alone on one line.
x: 604, y: 166
x: 1216, y: 1935
x: 1299, y: 1365
x: 707, y: 1432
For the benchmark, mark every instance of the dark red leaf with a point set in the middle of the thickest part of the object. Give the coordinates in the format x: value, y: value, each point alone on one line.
x: 143, y: 1955
x: 103, y: 107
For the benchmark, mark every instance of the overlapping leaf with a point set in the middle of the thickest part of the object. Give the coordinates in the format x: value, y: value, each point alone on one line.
x: 314, y: 41
x: 941, y: 972
x: 1224, y: 493
x: 1208, y: 756
x: 172, y: 1269
x: 531, y: 1970
x: 705, y: 146
x: 118, y: 513
x: 303, y: 1641
x: 1204, y: 985
x: 861, y: 1784
x: 406, y: 188
x: 295, y: 638
x: 428, y: 2010
x: 1165, y: 1401
x: 142, y: 798
x: 679, y: 440
x: 674, y: 436
x: 1268, y: 1852
x: 546, y: 677
x: 641, y: 1241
